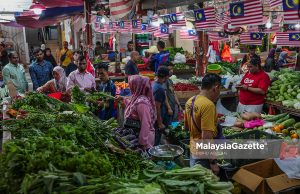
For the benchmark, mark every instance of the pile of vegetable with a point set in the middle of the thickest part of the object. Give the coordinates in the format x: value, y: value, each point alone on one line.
x: 173, y: 51
x: 286, y: 89
x: 179, y: 132
x: 185, y: 87
x: 56, y: 149
x: 181, y: 66
x: 231, y: 68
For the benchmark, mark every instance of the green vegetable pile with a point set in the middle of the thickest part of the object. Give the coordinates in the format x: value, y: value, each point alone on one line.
x: 286, y: 89
x: 63, y: 151
x: 173, y: 51
x: 181, y: 66
x: 194, y: 180
x: 231, y: 68
x: 179, y: 132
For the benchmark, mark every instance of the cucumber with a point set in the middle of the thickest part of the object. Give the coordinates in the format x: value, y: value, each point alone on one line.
x: 276, y: 117
x: 297, y: 125
x: 283, y: 119
x: 288, y: 123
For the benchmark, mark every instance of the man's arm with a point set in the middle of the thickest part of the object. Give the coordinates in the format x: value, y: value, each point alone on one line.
x: 158, y: 112
x: 33, y: 78
x: 6, y: 75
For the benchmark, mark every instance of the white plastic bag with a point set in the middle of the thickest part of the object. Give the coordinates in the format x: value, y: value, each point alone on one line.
x: 125, y: 60
x: 179, y: 58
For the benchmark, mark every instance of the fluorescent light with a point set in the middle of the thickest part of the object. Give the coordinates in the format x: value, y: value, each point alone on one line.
x: 268, y: 25
x: 297, y: 26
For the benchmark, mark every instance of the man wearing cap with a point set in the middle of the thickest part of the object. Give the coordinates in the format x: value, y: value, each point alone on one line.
x: 159, y: 94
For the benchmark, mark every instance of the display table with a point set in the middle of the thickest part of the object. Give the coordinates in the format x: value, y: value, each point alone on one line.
x: 282, y: 108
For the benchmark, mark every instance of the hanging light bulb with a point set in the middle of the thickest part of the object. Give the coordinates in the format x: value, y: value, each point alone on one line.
x: 268, y: 25
x: 297, y: 26
x: 37, y: 8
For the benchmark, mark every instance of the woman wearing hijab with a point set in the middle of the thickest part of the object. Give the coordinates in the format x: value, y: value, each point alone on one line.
x: 270, y: 61
x: 58, y: 84
x: 141, y: 108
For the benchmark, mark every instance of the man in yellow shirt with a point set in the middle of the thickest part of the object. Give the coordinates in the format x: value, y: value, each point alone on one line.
x: 66, y: 55
x: 201, y: 119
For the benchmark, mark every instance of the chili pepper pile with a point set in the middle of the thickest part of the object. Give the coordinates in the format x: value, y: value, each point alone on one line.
x: 185, y: 87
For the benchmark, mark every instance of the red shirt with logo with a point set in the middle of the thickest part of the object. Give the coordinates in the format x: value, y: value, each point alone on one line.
x: 258, y: 80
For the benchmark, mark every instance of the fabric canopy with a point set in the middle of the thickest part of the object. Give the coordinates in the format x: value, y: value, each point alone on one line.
x: 50, y: 16
x: 61, y: 3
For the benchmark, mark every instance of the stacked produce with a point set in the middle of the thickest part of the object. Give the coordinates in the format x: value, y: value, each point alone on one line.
x: 231, y: 68
x: 286, y: 89
x: 58, y: 149
x: 185, y: 87
x: 182, y: 66
x: 173, y: 51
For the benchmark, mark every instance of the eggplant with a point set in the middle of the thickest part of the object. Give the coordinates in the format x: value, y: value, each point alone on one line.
x: 130, y: 137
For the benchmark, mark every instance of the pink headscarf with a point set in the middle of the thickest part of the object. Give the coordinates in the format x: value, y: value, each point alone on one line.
x: 141, y: 91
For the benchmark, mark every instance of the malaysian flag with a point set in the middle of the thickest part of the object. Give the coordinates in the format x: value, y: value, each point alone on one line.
x: 246, y: 13
x: 290, y: 28
x: 222, y: 19
x: 288, y: 39
x: 120, y: 8
x: 136, y: 26
x: 275, y: 3
x: 291, y: 11
x: 251, y: 38
x: 180, y: 21
x: 124, y: 26
x: 218, y: 36
x: 163, y: 32
x: 111, y: 27
x: 188, y: 35
x: 205, y: 18
x: 152, y: 24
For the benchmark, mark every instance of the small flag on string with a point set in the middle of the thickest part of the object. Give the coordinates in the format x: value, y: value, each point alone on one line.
x: 288, y: 39
x: 262, y: 28
x: 291, y: 11
x: 222, y: 19
x: 251, y: 38
x: 124, y: 26
x: 205, y: 18
x: 136, y: 26
x: 188, y: 35
x: 218, y: 36
x: 246, y: 13
x: 163, y: 31
x: 180, y: 21
x: 152, y: 24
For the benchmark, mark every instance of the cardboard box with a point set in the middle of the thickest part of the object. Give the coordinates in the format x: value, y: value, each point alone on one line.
x: 264, y: 177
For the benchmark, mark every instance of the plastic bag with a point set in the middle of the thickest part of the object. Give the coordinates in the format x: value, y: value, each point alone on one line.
x: 179, y: 58
x: 125, y: 60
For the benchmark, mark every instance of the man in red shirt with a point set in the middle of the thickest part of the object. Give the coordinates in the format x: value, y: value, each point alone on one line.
x: 253, y: 87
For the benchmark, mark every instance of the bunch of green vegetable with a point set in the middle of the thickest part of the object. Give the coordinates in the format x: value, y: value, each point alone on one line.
x: 194, y: 180
x: 173, y: 51
x: 286, y: 89
x: 231, y: 68
x: 180, y: 66
x: 179, y: 132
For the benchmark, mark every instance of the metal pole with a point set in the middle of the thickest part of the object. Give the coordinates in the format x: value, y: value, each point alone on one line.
x: 268, y: 43
x: 87, y: 13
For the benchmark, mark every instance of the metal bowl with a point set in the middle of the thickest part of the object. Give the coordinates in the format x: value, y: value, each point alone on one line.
x: 167, y: 152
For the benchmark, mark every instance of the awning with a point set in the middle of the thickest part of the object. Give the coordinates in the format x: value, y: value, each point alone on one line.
x: 61, y: 3
x: 50, y: 16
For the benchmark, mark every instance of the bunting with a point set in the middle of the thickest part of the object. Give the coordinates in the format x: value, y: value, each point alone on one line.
x: 251, y: 38
x: 162, y: 32
x: 291, y: 11
x: 288, y: 39
x: 205, y: 18
x: 189, y: 35
x: 218, y: 36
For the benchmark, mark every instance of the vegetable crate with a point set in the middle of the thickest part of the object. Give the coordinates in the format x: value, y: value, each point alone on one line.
x: 253, y: 135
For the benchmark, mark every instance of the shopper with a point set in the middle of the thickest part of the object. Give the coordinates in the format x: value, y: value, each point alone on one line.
x: 131, y: 66
x: 80, y: 77
x: 201, y: 120
x: 58, y: 84
x: 253, y: 87
x: 49, y: 57
x: 141, y: 109
x: 99, y: 50
x: 3, y: 55
x: 74, y: 65
x: 270, y: 61
x: 162, y: 58
x: 15, y: 72
x: 247, y: 58
x: 282, y: 61
x: 129, y: 49
x: 65, y: 55
x: 40, y: 70
x: 172, y: 102
x: 107, y: 109
x: 160, y: 102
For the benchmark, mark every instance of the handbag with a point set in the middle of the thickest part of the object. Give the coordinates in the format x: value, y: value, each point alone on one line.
x: 63, y: 57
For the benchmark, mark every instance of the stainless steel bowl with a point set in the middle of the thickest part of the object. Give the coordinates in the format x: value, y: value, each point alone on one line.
x: 167, y: 152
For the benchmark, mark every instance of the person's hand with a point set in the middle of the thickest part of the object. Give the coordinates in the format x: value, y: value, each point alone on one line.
x: 119, y: 98
x: 161, y: 127
x: 215, y: 168
x: 101, y: 103
x: 170, y: 112
x: 244, y: 87
x: 88, y: 90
